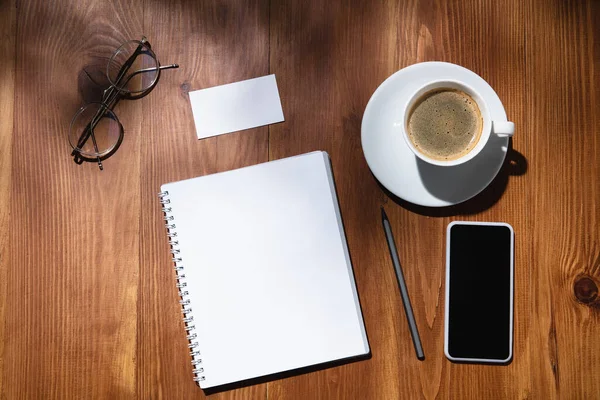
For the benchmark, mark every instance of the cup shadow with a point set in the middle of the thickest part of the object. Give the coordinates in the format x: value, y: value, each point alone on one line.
x: 439, y: 181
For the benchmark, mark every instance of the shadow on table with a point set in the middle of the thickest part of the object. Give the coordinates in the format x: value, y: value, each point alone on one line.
x: 438, y: 181
x: 92, y: 80
x: 285, y: 374
x: 494, y: 363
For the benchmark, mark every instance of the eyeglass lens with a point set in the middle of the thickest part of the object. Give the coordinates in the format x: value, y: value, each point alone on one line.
x: 133, y: 67
x: 107, y: 130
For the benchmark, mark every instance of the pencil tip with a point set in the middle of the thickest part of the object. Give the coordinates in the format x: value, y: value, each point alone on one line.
x: 383, y: 214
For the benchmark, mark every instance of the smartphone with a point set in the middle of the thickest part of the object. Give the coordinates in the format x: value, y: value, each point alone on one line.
x: 479, y: 292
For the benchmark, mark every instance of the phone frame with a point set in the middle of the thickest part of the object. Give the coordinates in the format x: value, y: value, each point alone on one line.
x: 512, y: 284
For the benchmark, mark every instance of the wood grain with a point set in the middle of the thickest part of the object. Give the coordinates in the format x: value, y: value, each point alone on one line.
x: 88, y: 304
x: 563, y: 104
x: 74, y: 232
x: 7, y: 96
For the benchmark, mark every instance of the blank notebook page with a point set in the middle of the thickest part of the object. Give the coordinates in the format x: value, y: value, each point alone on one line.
x: 267, y: 269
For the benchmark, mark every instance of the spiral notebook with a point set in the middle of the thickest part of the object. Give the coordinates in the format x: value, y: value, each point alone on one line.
x: 263, y: 270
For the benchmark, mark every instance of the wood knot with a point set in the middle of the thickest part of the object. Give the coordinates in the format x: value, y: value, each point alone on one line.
x: 185, y: 87
x: 585, y: 289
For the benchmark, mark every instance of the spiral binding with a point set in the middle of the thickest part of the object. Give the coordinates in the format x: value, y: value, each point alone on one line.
x: 186, y: 308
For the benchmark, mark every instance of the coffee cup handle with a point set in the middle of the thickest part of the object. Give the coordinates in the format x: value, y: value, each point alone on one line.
x: 503, y: 128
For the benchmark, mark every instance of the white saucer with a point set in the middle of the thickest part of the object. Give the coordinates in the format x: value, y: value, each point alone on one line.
x: 394, y: 164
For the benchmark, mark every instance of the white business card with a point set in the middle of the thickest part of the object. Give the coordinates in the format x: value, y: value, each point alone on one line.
x: 236, y: 106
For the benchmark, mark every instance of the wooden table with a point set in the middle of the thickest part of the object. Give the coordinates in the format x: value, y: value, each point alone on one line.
x: 88, y: 304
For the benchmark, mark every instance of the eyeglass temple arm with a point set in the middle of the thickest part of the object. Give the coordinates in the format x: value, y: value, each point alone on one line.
x: 139, y: 71
x: 97, y: 151
x: 106, y: 99
x: 89, y: 132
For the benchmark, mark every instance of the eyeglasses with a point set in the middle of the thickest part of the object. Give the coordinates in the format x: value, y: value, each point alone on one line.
x: 132, y: 71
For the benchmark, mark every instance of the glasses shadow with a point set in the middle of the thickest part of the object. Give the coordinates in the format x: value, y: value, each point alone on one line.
x: 92, y: 81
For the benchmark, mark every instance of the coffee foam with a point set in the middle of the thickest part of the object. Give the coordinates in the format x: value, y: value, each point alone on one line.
x: 445, y: 124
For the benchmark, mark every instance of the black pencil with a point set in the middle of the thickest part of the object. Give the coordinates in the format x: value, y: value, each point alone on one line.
x: 402, y: 285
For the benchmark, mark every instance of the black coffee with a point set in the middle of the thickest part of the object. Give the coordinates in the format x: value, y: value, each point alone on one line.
x: 445, y: 124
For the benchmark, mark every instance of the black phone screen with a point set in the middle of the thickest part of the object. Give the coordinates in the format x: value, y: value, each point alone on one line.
x: 480, y: 292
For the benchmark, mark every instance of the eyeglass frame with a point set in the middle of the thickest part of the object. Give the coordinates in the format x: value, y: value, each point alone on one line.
x: 111, y: 97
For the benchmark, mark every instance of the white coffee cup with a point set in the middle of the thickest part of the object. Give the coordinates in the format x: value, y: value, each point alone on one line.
x: 499, y: 128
